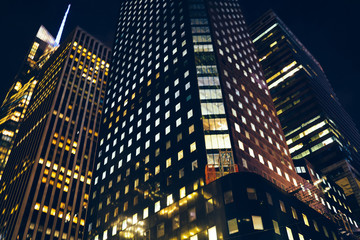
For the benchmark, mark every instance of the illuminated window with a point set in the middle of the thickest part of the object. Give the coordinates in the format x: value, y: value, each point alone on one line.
x: 182, y: 192
x: 145, y: 213
x: 233, y: 226
x: 114, y: 230
x: 193, y: 147
x: 306, y: 221
x: 301, y: 237
x: 257, y: 223
x: 316, y: 226
x: 157, y: 169
x: 168, y: 162
x: 276, y: 227
x: 294, y: 214
x: 180, y: 155
x: 157, y: 207
x: 289, y: 233
x: 169, y: 200
x: 212, y: 233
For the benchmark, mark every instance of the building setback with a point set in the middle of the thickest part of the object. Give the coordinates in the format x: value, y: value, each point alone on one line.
x: 186, y: 112
x: 316, y: 126
x: 46, y: 183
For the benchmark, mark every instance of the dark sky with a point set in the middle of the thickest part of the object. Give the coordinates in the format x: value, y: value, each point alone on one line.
x: 329, y: 29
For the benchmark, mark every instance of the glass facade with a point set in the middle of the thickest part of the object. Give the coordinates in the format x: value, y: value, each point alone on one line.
x: 316, y: 127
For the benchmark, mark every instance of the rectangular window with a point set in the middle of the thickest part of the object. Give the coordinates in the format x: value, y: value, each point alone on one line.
x: 181, y: 173
x: 217, y: 141
x: 180, y: 155
x: 160, y: 230
x: 276, y: 227
x: 257, y: 223
x: 233, y: 226
x: 306, y: 221
x: 193, y: 147
x: 192, y: 214
x: 212, y: 233
x: 282, y: 206
x: 209, y: 205
x: 228, y: 197
x: 251, y: 193
x: 168, y: 162
x: 169, y: 200
x: 289, y: 233
x: 301, y: 237
x: 212, y: 108
x: 294, y: 214
x: 145, y: 213
x: 157, y: 207
x: 316, y: 226
x: 182, y: 192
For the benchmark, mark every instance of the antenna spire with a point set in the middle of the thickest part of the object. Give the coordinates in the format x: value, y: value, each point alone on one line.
x: 58, y: 36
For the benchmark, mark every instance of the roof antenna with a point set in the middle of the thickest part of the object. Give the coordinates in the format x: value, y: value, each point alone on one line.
x: 58, y: 36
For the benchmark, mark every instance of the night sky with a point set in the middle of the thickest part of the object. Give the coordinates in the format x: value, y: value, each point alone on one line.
x: 329, y: 29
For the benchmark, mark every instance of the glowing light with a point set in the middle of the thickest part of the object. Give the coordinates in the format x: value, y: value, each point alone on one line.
x: 58, y: 36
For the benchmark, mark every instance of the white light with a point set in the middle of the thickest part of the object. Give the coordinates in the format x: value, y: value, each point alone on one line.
x: 58, y: 36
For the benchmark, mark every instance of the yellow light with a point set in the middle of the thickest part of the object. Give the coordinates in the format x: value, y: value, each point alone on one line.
x: 53, y: 211
x: 273, y: 44
x: 45, y: 209
x: 37, y: 206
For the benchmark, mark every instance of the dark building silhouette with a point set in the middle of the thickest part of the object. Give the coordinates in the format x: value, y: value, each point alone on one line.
x: 46, y: 183
x: 190, y: 145
x: 316, y: 127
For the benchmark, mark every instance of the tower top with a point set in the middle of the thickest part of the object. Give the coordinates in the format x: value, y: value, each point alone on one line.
x: 58, y: 36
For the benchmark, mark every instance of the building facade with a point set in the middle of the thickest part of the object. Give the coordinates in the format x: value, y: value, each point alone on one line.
x: 46, y: 183
x: 187, y: 108
x: 16, y: 102
x: 316, y: 127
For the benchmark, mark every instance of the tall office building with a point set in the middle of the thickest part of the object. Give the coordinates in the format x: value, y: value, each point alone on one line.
x: 16, y: 102
x: 316, y: 127
x: 191, y: 147
x: 46, y: 183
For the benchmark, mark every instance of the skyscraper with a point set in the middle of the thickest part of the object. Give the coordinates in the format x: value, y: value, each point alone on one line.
x: 316, y: 126
x: 46, y: 183
x: 18, y: 97
x: 191, y: 147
